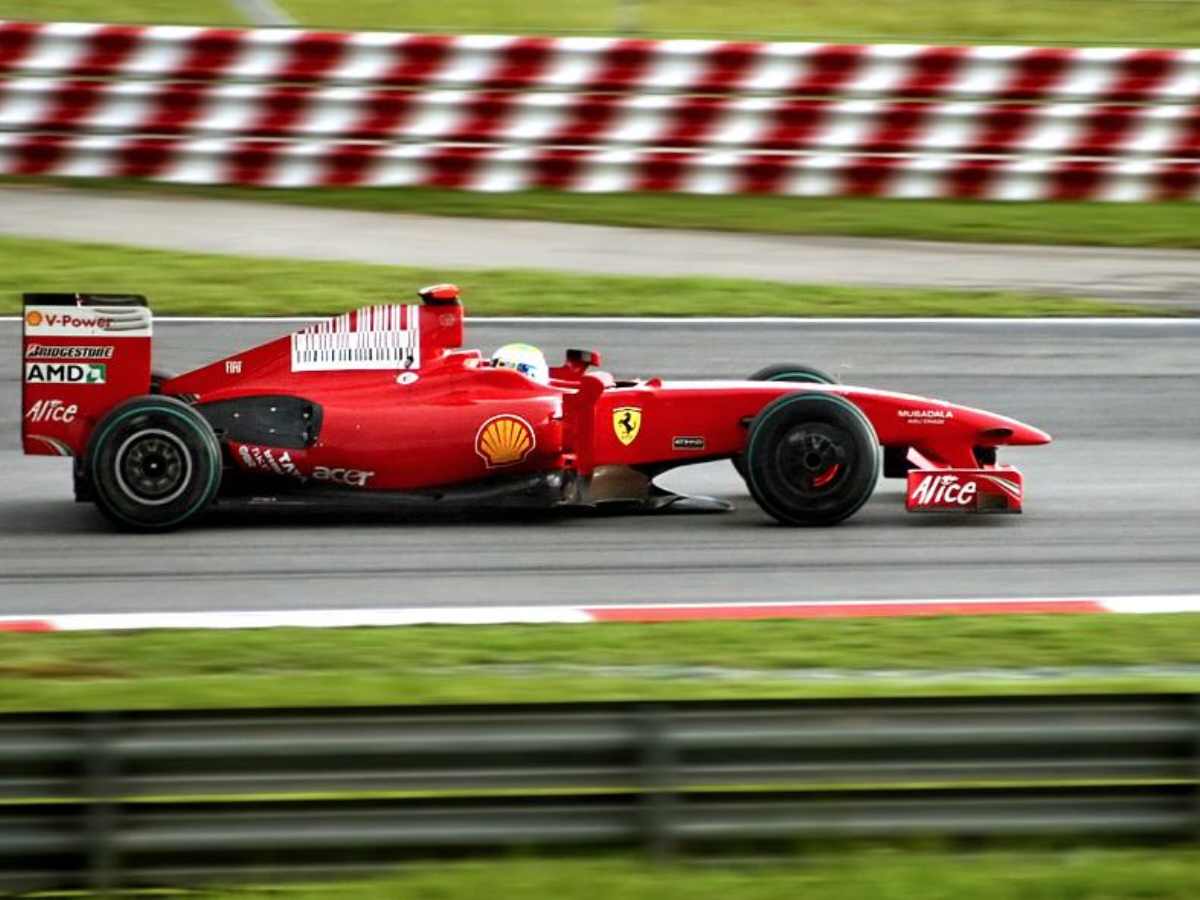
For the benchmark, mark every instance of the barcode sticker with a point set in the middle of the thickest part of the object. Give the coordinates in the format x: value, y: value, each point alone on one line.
x: 374, y: 337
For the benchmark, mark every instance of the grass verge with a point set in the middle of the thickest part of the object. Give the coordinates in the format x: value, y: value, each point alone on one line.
x: 149, y: 12
x: 212, y: 284
x: 1099, y: 224
x: 967, y: 20
x: 563, y: 663
x: 857, y: 874
x: 1078, y: 21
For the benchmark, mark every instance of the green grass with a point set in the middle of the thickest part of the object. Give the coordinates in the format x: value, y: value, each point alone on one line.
x: 194, y: 283
x: 857, y: 874
x: 1079, y: 21
x: 152, y: 12
x: 1093, y: 874
x: 1045, y: 21
x: 461, y: 664
x: 1098, y: 224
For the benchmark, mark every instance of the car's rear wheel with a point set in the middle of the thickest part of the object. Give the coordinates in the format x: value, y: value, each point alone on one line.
x: 811, y: 459
x: 797, y: 372
x: 153, y: 463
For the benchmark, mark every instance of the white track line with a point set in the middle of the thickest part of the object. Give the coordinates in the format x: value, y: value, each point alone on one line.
x: 580, y: 615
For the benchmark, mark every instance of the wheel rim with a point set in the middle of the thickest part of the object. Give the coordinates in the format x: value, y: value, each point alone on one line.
x: 812, y: 459
x: 153, y: 467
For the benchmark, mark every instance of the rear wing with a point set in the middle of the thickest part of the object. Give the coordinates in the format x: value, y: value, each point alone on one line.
x: 81, y: 355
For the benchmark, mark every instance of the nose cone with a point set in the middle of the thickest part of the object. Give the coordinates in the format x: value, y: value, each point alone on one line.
x: 1027, y: 434
x: 993, y: 429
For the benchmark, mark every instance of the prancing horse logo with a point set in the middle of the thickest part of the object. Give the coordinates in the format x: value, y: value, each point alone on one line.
x: 627, y: 422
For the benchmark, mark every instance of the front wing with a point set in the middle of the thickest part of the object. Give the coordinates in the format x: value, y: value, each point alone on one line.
x: 993, y: 490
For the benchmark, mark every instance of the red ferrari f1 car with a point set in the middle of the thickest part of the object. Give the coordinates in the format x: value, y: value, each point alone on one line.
x: 379, y: 406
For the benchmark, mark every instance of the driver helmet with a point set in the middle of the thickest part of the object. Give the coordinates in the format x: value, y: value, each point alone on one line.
x: 525, y: 358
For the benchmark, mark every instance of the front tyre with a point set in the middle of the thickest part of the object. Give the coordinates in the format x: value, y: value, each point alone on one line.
x: 794, y: 372
x: 811, y: 459
x: 797, y: 372
x: 154, y: 463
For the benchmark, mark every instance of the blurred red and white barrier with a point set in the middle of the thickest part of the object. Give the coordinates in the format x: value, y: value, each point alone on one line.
x: 330, y: 164
x: 598, y: 64
x: 565, y: 120
x: 298, y: 108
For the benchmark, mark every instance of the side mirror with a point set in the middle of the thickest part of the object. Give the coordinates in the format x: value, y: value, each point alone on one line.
x: 583, y: 359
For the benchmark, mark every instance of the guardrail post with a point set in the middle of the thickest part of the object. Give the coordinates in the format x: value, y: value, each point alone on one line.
x: 659, y: 761
x: 99, y: 791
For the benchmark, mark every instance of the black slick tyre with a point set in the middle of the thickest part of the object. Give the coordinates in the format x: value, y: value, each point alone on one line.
x: 797, y: 372
x: 811, y: 459
x: 153, y: 464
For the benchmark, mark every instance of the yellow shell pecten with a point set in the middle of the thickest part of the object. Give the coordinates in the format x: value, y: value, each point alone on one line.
x: 504, y: 440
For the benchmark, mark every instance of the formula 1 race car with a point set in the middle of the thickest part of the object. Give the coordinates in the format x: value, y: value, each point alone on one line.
x: 379, y: 407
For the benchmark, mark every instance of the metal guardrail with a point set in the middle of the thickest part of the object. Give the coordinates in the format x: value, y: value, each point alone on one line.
x: 97, y: 800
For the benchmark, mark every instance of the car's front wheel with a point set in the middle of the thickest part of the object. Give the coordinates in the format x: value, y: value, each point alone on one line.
x: 811, y: 459
x: 795, y: 372
x: 153, y: 463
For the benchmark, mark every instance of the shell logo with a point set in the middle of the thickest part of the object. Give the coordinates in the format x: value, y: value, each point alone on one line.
x: 33, y: 318
x: 504, y: 440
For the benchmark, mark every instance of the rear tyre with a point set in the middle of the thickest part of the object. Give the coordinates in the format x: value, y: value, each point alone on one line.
x: 797, y: 372
x: 153, y: 463
x: 811, y: 459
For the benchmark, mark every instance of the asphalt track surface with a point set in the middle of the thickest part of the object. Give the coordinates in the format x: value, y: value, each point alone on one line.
x: 1167, y: 277
x: 1113, y: 506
